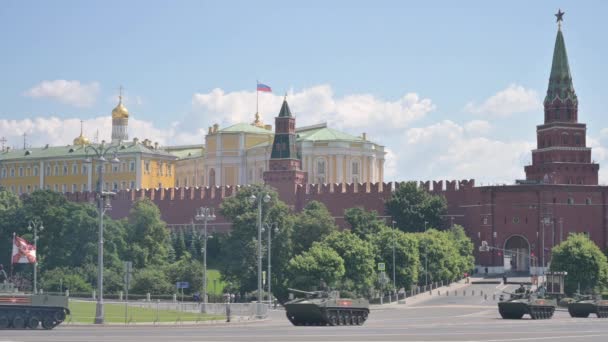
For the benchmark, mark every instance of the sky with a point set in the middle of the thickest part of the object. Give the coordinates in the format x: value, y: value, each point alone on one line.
x: 452, y: 89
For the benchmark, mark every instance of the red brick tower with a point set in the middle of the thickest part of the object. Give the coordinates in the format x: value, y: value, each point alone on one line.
x: 561, y: 156
x: 285, y: 172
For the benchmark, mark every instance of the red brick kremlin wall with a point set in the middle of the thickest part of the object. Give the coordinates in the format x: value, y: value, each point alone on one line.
x: 488, y: 213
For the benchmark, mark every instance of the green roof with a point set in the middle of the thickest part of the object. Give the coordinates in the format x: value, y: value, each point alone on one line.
x: 560, y: 81
x: 246, y: 128
x: 187, y: 152
x: 69, y: 151
x: 285, y: 111
x: 324, y: 133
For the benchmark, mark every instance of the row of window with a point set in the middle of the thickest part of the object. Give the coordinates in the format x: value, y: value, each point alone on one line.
x: 64, y: 170
x: 162, y: 169
x: 115, y: 186
x: 321, y: 171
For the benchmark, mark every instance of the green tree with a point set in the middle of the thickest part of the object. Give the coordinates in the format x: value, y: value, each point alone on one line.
x: 439, y: 257
x: 407, y: 260
x: 313, y: 224
x: 584, y: 261
x: 151, y: 280
x: 239, y: 247
x: 319, y: 263
x: 186, y: 269
x: 362, y: 222
x: 464, y: 246
x: 148, y: 235
x: 358, y: 256
x: 8, y: 200
x: 64, y: 278
x: 411, y: 206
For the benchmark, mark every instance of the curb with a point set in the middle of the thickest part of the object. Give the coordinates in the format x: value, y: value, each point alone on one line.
x: 166, y: 324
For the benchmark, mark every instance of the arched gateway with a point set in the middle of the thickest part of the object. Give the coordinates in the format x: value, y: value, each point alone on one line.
x: 517, y: 254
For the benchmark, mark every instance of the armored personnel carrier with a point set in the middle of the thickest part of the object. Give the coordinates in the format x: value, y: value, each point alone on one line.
x: 524, y: 302
x: 20, y: 311
x: 325, y: 308
x: 586, y: 305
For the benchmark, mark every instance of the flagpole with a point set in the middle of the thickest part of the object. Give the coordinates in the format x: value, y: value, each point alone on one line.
x: 257, y: 94
x: 13, y: 246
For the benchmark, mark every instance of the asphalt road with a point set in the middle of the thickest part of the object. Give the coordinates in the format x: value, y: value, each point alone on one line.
x: 463, y: 318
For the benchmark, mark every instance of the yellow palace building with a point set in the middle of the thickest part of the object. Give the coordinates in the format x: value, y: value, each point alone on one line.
x: 239, y: 154
x: 234, y: 155
x: 141, y: 164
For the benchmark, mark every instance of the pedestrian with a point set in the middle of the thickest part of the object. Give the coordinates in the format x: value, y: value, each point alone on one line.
x: 232, y: 296
x: 504, y: 279
x: 3, y: 276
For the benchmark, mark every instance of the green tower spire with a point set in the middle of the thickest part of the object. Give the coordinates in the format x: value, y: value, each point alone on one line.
x: 560, y: 81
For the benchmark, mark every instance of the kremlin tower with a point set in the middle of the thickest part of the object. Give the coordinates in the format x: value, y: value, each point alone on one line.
x: 561, y: 156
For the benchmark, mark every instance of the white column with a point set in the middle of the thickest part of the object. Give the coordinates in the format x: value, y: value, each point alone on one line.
x: 41, y: 171
x: 339, y: 168
x: 373, y: 169
x: 138, y: 172
x: 243, y: 164
x: 218, y: 161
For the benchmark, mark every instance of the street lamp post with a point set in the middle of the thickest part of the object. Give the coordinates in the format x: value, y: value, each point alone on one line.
x: 394, y: 278
x: 205, y: 214
x: 276, y: 230
x: 103, y: 204
x: 426, y: 262
x: 35, y: 224
x: 266, y: 198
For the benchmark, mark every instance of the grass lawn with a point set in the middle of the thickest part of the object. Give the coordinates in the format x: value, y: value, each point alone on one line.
x: 84, y: 312
x: 219, y: 285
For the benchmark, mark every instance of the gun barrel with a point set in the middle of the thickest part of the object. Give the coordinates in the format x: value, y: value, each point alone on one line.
x: 300, y: 291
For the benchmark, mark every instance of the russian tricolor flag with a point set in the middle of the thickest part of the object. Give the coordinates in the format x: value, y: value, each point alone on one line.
x: 264, y: 88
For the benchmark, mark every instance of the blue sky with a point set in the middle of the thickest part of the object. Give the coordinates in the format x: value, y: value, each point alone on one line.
x: 478, y: 70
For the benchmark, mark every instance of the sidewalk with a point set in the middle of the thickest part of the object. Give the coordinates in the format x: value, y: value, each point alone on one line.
x: 424, y: 296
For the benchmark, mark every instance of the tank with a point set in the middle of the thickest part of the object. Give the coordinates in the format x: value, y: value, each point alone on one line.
x: 525, y: 302
x: 325, y: 308
x: 21, y: 311
x: 586, y: 305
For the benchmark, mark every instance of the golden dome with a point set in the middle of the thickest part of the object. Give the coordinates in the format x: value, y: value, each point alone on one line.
x: 81, y: 139
x: 120, y: 111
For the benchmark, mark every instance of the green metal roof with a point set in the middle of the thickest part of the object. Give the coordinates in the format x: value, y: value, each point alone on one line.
x: 245, y: 128
x: 285, y: 111
x: 70, y: 151
x: 187, y: 152
x: 560, y: 81
x: 324, y: 133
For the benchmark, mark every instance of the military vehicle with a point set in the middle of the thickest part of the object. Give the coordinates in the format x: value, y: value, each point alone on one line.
x: 524, y: 302
x: 20, y: 311
x: 325, y: 308
x: 585, y: 305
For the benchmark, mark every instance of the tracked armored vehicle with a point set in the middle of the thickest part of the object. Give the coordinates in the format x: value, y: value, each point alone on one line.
x: 525, y: 302
x: 586, y: 305
x: 21, y: 311
x: 325, y: 308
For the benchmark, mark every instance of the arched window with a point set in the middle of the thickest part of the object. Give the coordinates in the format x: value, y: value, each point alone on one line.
x: 355, y: 171
x: 321, y: 171
x: 35, y: 170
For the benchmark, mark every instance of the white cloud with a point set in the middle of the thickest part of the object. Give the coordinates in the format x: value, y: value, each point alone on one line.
x: 447, y: 150
x: 56, y: 131
x: 480, y: 127
x: 353, y: 113
x: 69, y: 92
x: 514, y: 99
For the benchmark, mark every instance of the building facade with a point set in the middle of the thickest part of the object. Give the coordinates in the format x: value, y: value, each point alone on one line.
x: 240, y: 154
x: 521, y: 223
x: 71, y: 168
